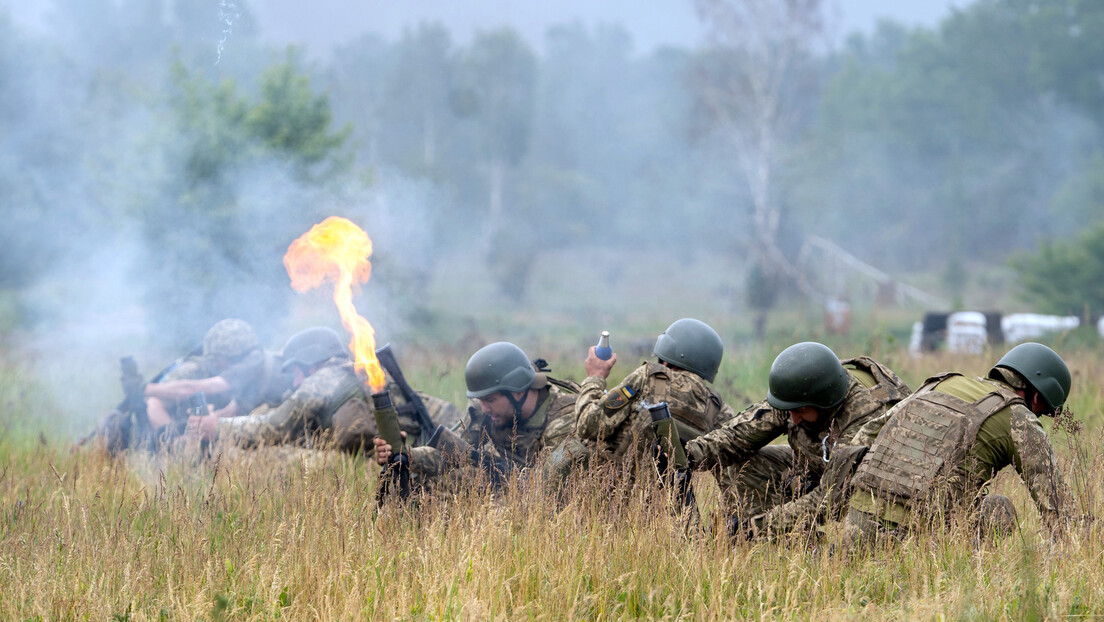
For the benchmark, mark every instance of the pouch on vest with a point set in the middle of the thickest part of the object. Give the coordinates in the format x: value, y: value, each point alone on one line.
x: 925, y: 441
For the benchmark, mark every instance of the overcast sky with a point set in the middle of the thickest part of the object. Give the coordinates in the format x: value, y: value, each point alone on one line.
x: 651, y: 22
x: 318, y: 24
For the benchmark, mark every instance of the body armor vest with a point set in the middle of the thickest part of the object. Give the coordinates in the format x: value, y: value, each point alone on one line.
x: 889, y: 387
x: 924, y: 445
x: 694, y: 414
x: 517, y: 448
x: 346, y: 396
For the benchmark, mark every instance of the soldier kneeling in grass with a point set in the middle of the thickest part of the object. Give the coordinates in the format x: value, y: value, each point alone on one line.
x: 932, y: 456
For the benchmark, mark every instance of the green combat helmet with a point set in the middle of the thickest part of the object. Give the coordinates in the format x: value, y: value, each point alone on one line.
x: 691, y: 345
x: 1042, y: 368
x: 807, y: 374
x: 312, y: 346
x: 498, y: 367
x: 230, y: 339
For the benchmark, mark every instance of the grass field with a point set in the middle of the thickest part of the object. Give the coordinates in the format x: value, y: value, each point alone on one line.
x: 296, y: 535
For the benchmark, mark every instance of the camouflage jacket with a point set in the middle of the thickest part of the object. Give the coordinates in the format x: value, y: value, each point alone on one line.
x: 1007, y: 433
x: 618, y: 422
x: 254, y: 380
x: 309, y: 411
x: 521, y: 444
x: 331, y: 407
x: 194, y: 367
x: 257, y: 379
x: 873, y: 390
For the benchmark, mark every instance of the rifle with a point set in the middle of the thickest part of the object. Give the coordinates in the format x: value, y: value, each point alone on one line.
x: 413, y: 401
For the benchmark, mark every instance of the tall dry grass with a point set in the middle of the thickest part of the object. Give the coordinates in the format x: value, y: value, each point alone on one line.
x: 256, y: 535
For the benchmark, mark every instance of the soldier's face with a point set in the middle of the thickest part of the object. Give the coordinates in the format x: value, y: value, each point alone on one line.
x: 805, y: 417
x: 1036, y: 403
x: 498, y: 407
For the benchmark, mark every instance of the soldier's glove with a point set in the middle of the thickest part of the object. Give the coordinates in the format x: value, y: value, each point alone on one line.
x: 399, y: 459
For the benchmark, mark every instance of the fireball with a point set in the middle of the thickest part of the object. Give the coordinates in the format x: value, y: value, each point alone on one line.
x: 336, y: 250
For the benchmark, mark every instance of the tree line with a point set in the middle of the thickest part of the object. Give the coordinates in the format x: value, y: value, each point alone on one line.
x: 973, y: 143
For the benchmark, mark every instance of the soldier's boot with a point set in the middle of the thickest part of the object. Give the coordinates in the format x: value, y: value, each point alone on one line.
x: 997, y: 517
x: 864, y: 530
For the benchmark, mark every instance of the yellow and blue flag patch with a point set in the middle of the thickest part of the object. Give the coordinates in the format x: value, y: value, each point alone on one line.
x: 618, y: 398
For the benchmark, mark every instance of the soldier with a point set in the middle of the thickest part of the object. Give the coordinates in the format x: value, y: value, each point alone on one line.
x: 234, y: 372
x: 231, y: 370
x: 329, y: 405
x: 618, y: 424
x: 934, y: 453
x: 819, y: 402
x: 516, y: 415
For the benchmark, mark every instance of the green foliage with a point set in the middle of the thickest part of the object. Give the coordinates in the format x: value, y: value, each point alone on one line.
x: 1080, y: 198
x: 203, y: 227
x: 1064, y: 277
x: 499, y: 73
x: 1065, y: 40
x: 290, y: 119
x: 947, y: 140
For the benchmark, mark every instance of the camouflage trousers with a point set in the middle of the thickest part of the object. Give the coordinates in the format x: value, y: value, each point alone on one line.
x: 995, y: 517
x: 571, y: 454
x: 768, y: 479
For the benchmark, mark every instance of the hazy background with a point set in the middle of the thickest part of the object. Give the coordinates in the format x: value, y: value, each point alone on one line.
x: 543, y: 172
x: 320, y: 25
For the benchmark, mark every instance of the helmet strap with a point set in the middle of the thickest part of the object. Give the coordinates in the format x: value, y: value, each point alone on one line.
x: 516, y: 403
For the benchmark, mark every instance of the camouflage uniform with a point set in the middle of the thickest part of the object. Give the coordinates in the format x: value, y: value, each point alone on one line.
x: 619, y: 426
x: 937, y: 450
x: 331, y: 408
x: 783, y: 487
x: 255, y: 380
x: 522, y: 444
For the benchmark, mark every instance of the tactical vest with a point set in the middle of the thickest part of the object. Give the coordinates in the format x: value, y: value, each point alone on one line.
x: 480, y: 430
x: 889, y: 387
x: 351, y: 388
x: 693, y: 416
x: 274, y: 384
x: 924, y: 444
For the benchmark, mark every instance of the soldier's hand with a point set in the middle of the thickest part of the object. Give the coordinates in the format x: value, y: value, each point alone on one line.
x: 383, y: 449
x: 597, y: 367
x: 205, y: 428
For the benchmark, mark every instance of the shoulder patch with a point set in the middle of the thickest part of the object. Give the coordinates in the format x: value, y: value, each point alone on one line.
x: 617, y: 398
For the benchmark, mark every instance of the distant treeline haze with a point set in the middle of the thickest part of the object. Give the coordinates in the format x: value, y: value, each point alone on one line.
x: 916, y: 150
